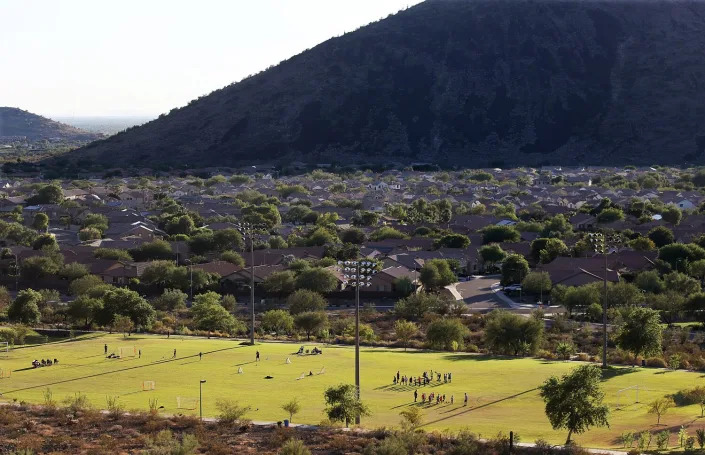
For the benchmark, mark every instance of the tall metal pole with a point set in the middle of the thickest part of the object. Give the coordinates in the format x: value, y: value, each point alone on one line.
x: 191, y: 273
x: 252, y: 286
x: 604, y: 310
x: 200, y: 397
x: 357, y: 339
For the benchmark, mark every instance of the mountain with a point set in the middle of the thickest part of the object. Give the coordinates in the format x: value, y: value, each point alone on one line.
x: 459, y: 83
x: 15, y: 122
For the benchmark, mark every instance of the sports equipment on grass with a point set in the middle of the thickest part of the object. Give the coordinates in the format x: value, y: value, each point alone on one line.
x: 128, y: 352
x: 627, y: 396
x: 239, y: 370
x: 4, y: 347
x: 5, y: 374
x: 187, y: 403
x: 149, y: 385
x: 323, y: 370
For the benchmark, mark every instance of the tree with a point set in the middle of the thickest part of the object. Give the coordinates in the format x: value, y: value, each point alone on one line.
x: 321, y: 236
x: 405, y: 331
x: 610, y: 215
x: 650, y: 281
x: 640, y: 331
x: 696, y: 269
x: 446, y: 334
x: 623, y: 294
x: 73, y: 271
x: 660, y: 406
x: 353, y: 235
x: 453, y: 241
x: 25, y: 308
x: 492, y: 254
x: 580, y: 297
x: 123, y: 324
x: 415, y: 306
x: 47, y: 194
x: 387, y: 232
x: 36, y: 267
x: 411, y: 417
x: 84, y: 308
x: 181, y: 225
x: 342, y: 404
x: 661, y: 236
x: 277, y: 321
x: 682, y: 283
x: 310, y: 321
x: 212, y: 316
x: 293, y: 407
x: 678, y: 255
x: 45, y: 241
x: 112, y: 253
x: 40, y: 222
x: 436, y: 274
x: 642, y: 244
x: 277, y: 242
x: 498, y: 234
x: 227, y: 239
x: 537, y: 283
x: 317, y: 279
x: 548, y: 249
x: 574, y: 402
x: 304, y: 300
x: 670, y: 305
x: 154, y: 250
x: 509, y: 333
x: 232, y: 257
x: 514, y: 269
x: 365, y: 218
x: 125, y: 302
x: 672, y: 214
x: 170, y: 300
x: 280, y: 283
x: 84, y: 284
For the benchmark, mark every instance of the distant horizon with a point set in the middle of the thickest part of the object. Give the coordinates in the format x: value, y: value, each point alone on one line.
x: 92, y: 59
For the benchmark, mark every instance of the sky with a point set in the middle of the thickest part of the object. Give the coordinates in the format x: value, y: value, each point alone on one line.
x: 64, y: 58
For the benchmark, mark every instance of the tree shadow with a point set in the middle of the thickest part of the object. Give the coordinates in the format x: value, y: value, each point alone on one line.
x: 613, y: 372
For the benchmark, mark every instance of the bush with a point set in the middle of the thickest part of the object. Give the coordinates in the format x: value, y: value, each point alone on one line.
x: 231, y: 411
x: 294, y: 447
x: 656, y: 362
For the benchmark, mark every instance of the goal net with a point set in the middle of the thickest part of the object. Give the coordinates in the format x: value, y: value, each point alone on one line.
x: 128, y: 352
x: 148, y: 385
x: 628, y: 396
x: 5, y: 374
x: 186, y: 403
x: 4, y: 347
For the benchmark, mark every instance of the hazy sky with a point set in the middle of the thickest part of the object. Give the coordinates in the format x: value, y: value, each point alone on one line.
x: 143, y: 57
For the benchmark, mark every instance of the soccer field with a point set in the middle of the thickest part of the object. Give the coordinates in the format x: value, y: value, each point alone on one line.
x: 502, y: 392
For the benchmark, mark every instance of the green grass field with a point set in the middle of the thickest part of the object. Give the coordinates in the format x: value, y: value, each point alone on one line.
x: 503, y: 393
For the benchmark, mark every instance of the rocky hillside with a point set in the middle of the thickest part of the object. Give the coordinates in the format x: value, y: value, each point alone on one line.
x: 460, y: 83
x: 16, y: 123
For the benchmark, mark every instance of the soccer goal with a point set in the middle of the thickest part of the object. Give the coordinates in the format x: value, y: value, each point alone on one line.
x: 186, y: 403
x: 5, y: 374
x: 4, y: 347
x: 148, y: 385
x: 128, y: 352
x: 628, y: 396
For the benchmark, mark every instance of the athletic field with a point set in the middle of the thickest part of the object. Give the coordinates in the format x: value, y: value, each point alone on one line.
x: 502, y: 392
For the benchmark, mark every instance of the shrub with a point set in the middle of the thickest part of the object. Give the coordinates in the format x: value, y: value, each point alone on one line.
x: 231, y: 411
x: 294, y: 447
x: 656, y: 362
x: 164, y: 443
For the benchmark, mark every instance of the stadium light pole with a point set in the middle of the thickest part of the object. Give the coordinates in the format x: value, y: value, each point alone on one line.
x: 200, y: 397
x: 246, y: 229
x: 357, y: 274
x: 602, y: 244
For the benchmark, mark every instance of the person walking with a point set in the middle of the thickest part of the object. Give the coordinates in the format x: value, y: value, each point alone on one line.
x: 416, y: 395
x: 174, y: 354
x: 465, y: 402
x: 139, y: 353
x: 200, y: 356
x: 452, y: 399
x: 105, y: 349
x: 257, y: 356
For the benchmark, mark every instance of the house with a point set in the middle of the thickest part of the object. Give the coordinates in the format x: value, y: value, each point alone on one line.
x: 243, y: 276
x: 385, y: 280
x: 685, y: 204
x: 583, y: 222
x: 570, y: 271
x: 220, y: 268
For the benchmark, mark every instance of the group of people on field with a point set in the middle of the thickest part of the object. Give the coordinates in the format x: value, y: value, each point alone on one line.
x: 424, y: 379
x: 43, y: 363
x: 437, y: 397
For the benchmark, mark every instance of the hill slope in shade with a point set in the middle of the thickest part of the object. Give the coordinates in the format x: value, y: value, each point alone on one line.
x: 16, y: 122
x: 464, y: 83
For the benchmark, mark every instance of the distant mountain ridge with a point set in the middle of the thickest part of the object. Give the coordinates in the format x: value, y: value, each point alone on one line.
x: 460, y: 83
x: 16, y: 122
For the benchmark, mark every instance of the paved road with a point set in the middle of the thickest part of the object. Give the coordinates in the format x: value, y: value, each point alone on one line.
x: 479, y: 296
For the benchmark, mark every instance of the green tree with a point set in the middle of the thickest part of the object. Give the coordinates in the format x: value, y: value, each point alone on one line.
x: 232, y: 257
x: 610, y: 215
x: 227, y: 239
x: 353, y: 235
x: 509, y: 333
x: 660, y: 406
x: 123, y: 324
x: 25, y: 308
x: 310, y: 322
x: 321, y: 236
x: 277, y: 321
x: 650, y: 281
x: 661, y: 236
x: 280, y: 283
x: 415, y: 306
x: 40, y: 222
x: 574, y: 402
x: 436, y: 274
x: 45, y: 241
x: 317, y: 279
x: 492, y: 254
x: 85, y: 309
x: 36, y: 267
x: 170, y: 300
x: 514, y: 269
x: 125, y: 302
x: 387, y: 232
x: 47, y: 194
x: 277, y: 242
x: 672, y: 214
x: 343, y: 405
x: 154, y: 250
x: 405, y: 331
x: 537, y: 283
x: 640, y: 331
x: 84, y: 284
x: 181, y: 225
x: 581, y: 297
x: 212, y: 316
x: 365, y: 218
x: 112, y: 253
x: 304, y: 300
x: 453, y: 241
x: 446, y: 334
x: 498, y: 234
x: 642, y: 244
x: 73, y: 271
x: 292, y: 407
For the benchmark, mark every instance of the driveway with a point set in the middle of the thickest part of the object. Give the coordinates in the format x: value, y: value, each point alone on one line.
x: 478, y: 295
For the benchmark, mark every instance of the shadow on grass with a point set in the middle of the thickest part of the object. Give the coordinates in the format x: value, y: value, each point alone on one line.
x: 465, y: 411
x: 479, y: 357
x: 613, y: 372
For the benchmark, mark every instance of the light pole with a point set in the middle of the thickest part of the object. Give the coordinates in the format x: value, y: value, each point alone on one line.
x: 602, y: 243
x: 16, y: 272
x: 246, y: 229
x: 357, y: 274
x: 200, y: 397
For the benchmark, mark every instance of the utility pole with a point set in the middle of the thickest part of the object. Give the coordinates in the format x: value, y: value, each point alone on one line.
x: 601, y: 244
x: 200, y: 397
